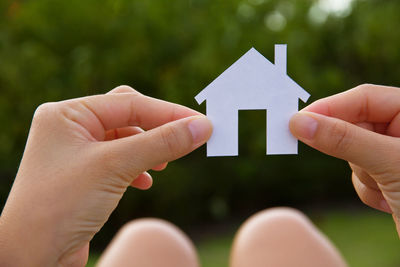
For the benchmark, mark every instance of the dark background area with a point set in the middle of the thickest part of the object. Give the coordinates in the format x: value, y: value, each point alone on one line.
x: 56, y: 50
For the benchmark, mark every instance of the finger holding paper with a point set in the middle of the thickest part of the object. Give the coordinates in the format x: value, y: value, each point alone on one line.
x: 361, y: 126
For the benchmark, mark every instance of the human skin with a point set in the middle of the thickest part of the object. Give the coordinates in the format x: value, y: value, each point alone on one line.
x: 70, y: 180
x: 149, y: 242
x: 282, y: 237
x: 80, y: 157
x: 361, y: 126
x: 272, y: 237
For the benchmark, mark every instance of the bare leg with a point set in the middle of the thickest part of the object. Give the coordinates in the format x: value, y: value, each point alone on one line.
x: 150, y: 243
x: 282, y: 237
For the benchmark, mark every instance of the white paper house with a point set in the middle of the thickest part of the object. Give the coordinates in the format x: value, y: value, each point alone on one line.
x: 253, y: 83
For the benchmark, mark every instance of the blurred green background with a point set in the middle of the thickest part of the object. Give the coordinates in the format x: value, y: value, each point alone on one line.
x: 55, y: 50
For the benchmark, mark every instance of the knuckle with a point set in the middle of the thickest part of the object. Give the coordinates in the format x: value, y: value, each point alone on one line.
x: 124, y: 89
x: 342, y: 137
x: 44, y: 111
x: 365, y: 87
x: 368, y: 88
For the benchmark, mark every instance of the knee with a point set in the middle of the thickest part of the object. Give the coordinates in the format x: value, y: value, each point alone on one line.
x: 275, y: 221
x: 154, y: 232
x: 150, y: 242
x: 276, y: 228
x: 282, y: 237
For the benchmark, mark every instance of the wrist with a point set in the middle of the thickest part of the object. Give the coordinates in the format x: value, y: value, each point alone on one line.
x: 21, y: 244
x: 9, y: 254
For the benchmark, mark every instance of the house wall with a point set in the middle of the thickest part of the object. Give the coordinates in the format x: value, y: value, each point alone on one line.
x: 225, y: 138
x: 279, y: 138
x: 224, y: 114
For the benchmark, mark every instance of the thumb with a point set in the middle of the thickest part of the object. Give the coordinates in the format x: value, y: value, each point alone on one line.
x: 369, y: 150
x: 141, y: 152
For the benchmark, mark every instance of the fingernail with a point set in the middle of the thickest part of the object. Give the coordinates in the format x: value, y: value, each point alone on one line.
x: 200, y: 128
x: 303, y: 125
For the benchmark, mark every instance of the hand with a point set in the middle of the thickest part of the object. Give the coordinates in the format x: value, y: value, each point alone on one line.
x: 361, y: 126
x: 80, y: 157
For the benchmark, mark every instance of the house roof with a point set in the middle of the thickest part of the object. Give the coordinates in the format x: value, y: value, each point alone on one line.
x: 251, y: 61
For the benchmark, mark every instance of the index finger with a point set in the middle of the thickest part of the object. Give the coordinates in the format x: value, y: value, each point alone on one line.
x: 365, y: 103
x: 126, y: 109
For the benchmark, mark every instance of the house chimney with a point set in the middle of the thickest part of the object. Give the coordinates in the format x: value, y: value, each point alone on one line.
x: 280, y: 57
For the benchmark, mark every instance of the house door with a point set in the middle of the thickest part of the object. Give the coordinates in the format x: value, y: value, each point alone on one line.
x: 252, y: 132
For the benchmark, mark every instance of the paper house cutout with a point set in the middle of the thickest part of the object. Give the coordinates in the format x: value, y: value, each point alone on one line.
x: 253, y: 83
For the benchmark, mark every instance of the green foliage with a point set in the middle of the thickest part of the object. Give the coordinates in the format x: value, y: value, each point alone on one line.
x: 55, y: 50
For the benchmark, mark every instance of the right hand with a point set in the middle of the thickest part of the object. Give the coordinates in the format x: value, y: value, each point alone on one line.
x: 361, y: 126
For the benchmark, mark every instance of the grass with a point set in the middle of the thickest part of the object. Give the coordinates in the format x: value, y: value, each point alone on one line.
x: 367, y: 238
x: 364, y: 237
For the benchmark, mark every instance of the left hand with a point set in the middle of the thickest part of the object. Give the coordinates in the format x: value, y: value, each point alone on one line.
x: 80, y: 157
